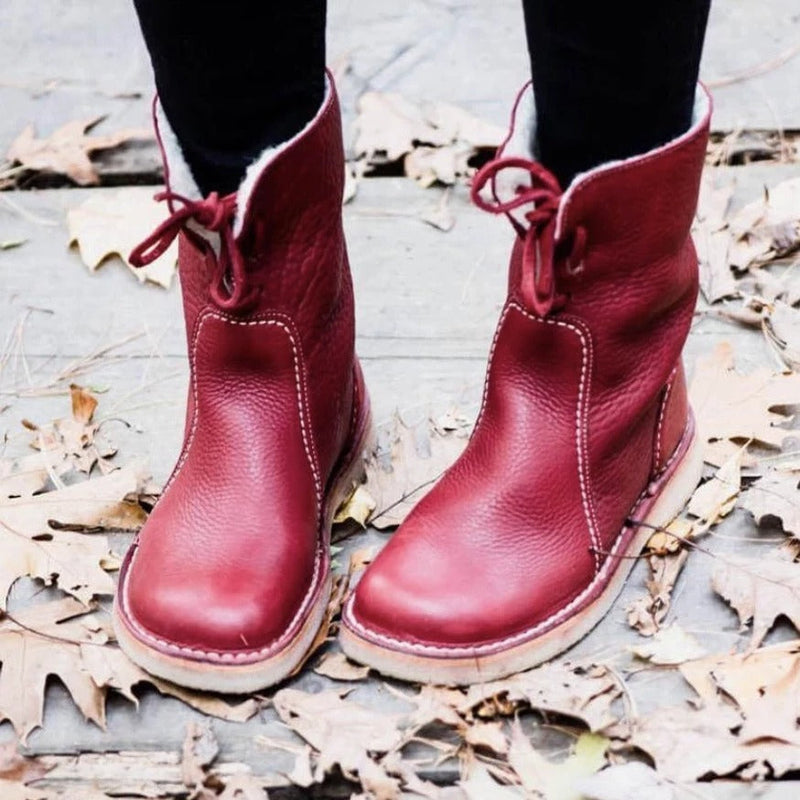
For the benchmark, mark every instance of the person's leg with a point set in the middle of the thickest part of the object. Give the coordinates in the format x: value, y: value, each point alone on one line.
x: 611, y: 80
x: 235, y: 79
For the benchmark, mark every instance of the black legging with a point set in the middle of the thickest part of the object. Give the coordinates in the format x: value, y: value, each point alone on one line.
x: 610, y: 79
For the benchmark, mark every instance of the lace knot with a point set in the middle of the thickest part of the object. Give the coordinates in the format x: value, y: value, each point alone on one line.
x: 215, y: 214
x: 541, y: 253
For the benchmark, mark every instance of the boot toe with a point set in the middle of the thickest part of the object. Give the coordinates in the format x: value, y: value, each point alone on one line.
x: 214, y: 614
x: 414, y: 597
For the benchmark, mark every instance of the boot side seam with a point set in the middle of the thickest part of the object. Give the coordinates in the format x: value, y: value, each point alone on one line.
x: 658, y: 452
x: 300, y: 385
x: 581, y: 416
x: 314, y: 585
x: 350, y: 618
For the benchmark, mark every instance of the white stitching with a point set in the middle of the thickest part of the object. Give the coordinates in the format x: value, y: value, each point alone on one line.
x: 581, y: 421
x: 658, y: 454
x: 489, y: 365
x: 581, y: 424
x: 301, y: 403
x: 530, y: 633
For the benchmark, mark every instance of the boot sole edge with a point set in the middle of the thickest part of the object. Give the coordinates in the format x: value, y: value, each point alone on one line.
x: 461, y: 670
x: 256, y: 675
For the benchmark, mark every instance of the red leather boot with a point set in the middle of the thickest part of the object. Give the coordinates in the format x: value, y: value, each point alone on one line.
x: 584, y: 441
x: 227, y: 583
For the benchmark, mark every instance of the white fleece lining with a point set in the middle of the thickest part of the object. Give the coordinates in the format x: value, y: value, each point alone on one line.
x: 520, y: 142
x: 182, y: 181
x: 180, y: 178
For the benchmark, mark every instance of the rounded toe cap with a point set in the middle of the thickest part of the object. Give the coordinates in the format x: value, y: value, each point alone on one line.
x: 208, y: 614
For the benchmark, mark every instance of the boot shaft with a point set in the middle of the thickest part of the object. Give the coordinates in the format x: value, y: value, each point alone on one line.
x: 286, y: 241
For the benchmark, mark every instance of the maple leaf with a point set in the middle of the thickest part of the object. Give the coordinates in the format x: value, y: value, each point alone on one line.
x: 712, y: 239
x: 761, y: 590
x: 767, y: 228
x: 99, y: 503
x: 690, y: 745
x: 729, y: 405
x: 407, y: 461
x: 66, y: 151
x: 113, y: 225
x: 670, y: 645
x: 586, y: 693
x: 30, y: 652
x: 74, y: 438
x: 320, y: 718
x: 437, y: 140
x: 76, y: 563
x: 775, y: 495
x: 64, y: 639
x: 30, y: 519
x: 764, y: 685
x: 648, y: 612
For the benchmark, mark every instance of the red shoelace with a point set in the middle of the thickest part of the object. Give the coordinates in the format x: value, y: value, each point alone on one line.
x: 229, y: 287
x: 541, y: 253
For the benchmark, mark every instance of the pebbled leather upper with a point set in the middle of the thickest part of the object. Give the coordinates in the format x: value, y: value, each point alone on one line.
x: 232, y: 554
x: 583, y: 406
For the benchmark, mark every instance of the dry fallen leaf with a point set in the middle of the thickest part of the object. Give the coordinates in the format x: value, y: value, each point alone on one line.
x: 480, y: 785
x: 648, y: 612
x: 28, y: 658
x: 586, y: 693
x: 338, y: 667
x: 691, y: 745
x: 767, y: 228
x: 113, y: 223
x: 775, y: 495
x: 66, y: 151
x: 60, y: 638
x: 729, y: 405
x: 781, y: 326
x: 631, y: 781
x: 671, y: 645
x: 760, y: 589
x: 712, y: 238
x: 556, y: 781
x: 716, y: 498
x: 37, y: 526
x: 437, y: 140
x: 762, y: 683
x: 405, y: 464
x: 74, y: 562
x: 200, y: 748
x: 75, y: 438
x: 23, y: 477
x: 16, y: 767
x: 321, y: 718
x: 667, y: 554
x: 95, y: 504
x: 358, y: 506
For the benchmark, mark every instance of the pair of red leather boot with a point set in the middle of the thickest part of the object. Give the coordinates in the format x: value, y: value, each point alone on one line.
x: 584, y: 439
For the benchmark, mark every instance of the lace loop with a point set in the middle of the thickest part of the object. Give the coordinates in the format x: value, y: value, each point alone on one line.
x: 540, y: 251
x: 214, y: 213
